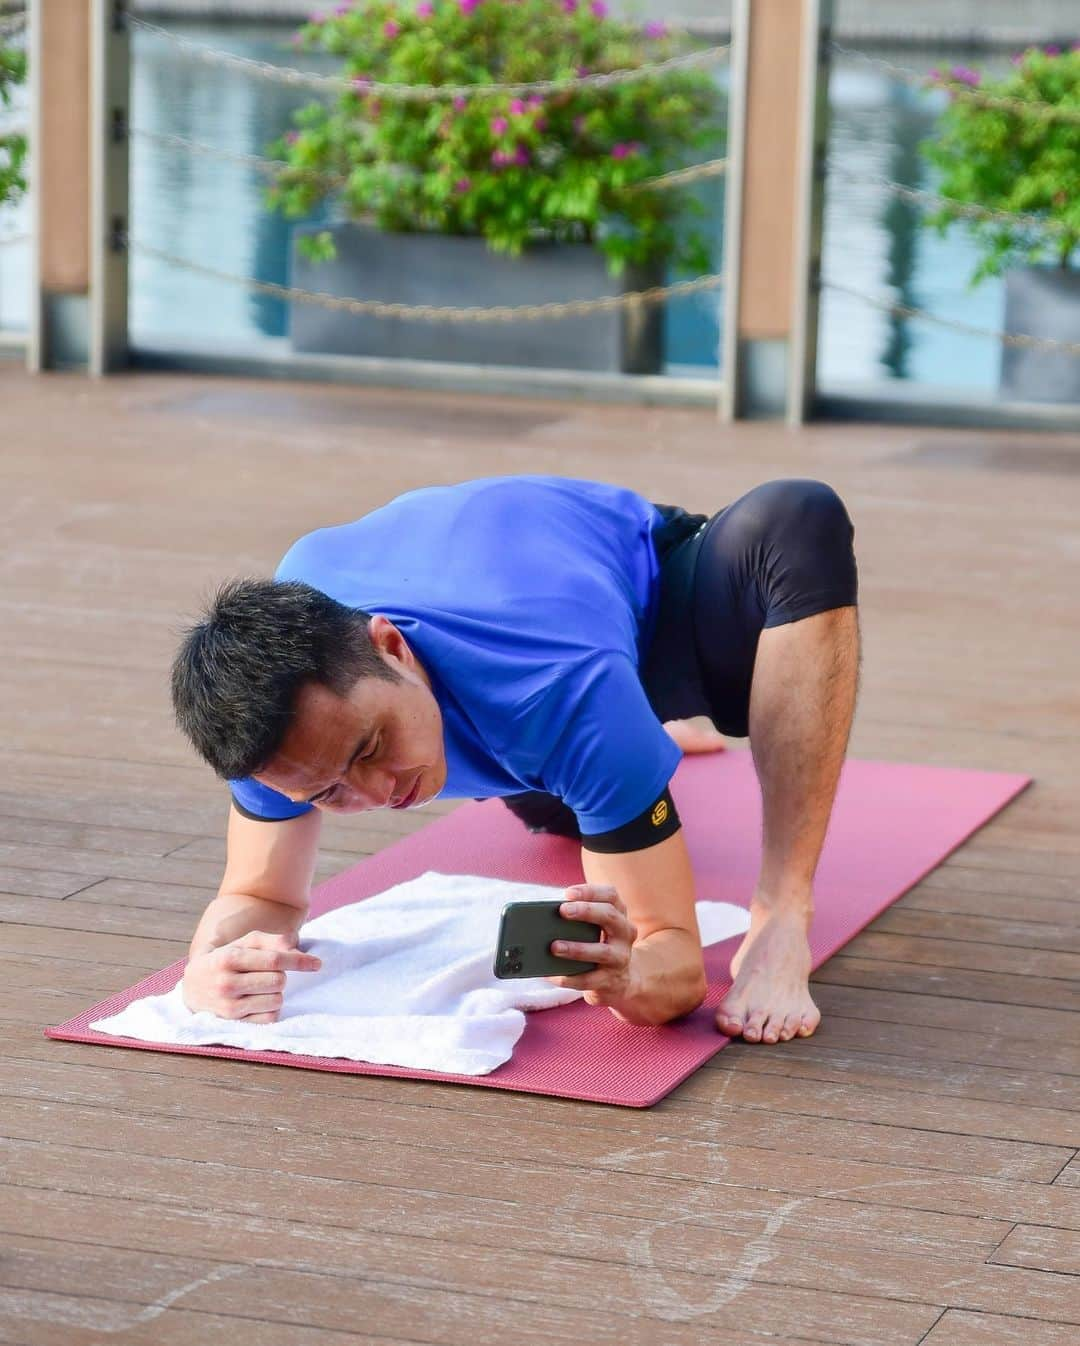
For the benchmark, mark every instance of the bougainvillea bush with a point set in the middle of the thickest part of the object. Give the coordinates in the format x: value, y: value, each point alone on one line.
x: 1013, y: 161
x: 510, y: 167
x: 12, y: 145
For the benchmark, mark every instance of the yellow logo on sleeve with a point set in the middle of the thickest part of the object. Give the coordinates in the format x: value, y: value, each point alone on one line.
x: 660, y: 813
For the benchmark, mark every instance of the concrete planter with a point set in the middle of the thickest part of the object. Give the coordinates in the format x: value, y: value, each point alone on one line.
x: 1043, y: 302
x: 461, y: 272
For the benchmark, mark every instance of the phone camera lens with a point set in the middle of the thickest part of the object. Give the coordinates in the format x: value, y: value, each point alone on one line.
x: 516, y: 966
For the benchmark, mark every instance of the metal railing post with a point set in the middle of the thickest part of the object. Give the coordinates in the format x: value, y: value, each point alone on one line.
x: 733, y: 207
x: 109, y: 209
x: 813, y: 143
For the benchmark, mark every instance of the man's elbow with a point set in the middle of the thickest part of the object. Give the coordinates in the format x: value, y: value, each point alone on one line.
x: 674, y: 1002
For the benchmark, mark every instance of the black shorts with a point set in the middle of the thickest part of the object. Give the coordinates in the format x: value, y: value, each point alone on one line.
x: 781, y: 552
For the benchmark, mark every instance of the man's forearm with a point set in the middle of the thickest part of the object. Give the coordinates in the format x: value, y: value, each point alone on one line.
x: 667, y: 978
x: 231, y: 915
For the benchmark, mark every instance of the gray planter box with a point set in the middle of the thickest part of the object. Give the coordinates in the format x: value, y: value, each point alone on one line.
x: 462, y: 273
x: 1043, y: 302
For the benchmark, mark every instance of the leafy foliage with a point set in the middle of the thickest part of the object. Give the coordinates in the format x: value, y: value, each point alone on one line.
x: 1013, y: 161
x: 511, y: 169
x: 12, y: 146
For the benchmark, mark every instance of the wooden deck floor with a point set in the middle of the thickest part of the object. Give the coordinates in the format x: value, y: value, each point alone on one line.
x: 909, y: 1174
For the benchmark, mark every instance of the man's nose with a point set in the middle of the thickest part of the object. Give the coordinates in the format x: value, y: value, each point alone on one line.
x: 375, y: 788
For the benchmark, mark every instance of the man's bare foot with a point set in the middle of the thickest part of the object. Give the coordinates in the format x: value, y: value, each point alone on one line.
x: 697, y: 734
x: 770, y: 997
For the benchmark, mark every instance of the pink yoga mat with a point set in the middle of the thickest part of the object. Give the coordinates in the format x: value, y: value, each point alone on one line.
x: 891, y: 825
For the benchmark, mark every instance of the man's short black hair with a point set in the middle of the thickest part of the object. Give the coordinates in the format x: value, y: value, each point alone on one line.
x: 238, y: 670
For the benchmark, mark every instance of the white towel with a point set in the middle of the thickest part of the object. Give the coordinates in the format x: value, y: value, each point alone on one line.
x: 406, y: 980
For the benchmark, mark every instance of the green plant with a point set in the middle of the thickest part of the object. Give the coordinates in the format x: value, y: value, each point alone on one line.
x: 12, y: 144
x: 1010, y: 160
x: 509, y: 168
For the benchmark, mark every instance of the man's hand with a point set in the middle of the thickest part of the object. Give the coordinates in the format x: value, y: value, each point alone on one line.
x: 245, y: 979
x: 610, y: 983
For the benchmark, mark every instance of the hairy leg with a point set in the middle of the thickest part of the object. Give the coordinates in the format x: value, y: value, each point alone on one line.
x: 802, y: 701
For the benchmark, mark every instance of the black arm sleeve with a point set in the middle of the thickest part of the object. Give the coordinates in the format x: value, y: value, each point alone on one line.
x: 658, y: 822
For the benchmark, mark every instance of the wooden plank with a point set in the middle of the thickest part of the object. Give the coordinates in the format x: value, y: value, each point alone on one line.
x: 957, y: 1328
x: 1046, y: 1249
x: 1003, y: 906
x: 118, y: 840
x: 55, y: 1319
x: 986, y: 988
x: 1070, y: 1174
x: 153, y: 896
x: 105, y: 864
x: 825, y: 1137
x: 1012, y: 933
x: 48, y: 883
x: 817, y: 1060
x: 1027, y: 862
x: 142, y: 955
x: 960, y: 953
x: 455, y: 1299
x: 621, y: 1180
x: 75, y: 915
x: 940, y: 1011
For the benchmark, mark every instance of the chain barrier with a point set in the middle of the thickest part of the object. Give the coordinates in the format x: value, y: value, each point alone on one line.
x: 272, y: 167
x: 967, y: 209
x: 1044, y: 111
x: 378, y: 308
x: 430, y: 93
x: 906, y: 311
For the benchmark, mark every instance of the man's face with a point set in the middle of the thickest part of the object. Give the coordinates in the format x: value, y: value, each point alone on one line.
x: 381, y: 744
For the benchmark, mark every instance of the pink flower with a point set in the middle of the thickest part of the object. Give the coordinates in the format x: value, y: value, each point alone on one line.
x: 965, y: 75
x: 599, y: 9
x: 425, y: 9
x: 500, y: 158
x: 517, y: 107
x: 361, y: 84
x: 1052, y: 49
x: 460, y: 102
x: 541, y: 123
x: 534, y: 101
x: 468, y: 6
x: 339, y: 10
x: 291, y: 137
x: 582, y: 70
x: 391, y: 28
x: 521, y: 156
x: 624, y: 149
x: 499, y: 126
x: 317, y: 17
x: 656, y: 28
x: 569, y: 6
x: 462, y: 186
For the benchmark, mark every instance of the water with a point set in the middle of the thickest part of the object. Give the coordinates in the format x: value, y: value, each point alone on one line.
x: 211, y: 210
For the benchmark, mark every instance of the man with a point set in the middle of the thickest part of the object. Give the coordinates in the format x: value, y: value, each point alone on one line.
x: 557, y: 643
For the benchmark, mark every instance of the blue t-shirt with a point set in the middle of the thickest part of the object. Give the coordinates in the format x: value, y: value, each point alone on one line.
x: 529, y: 601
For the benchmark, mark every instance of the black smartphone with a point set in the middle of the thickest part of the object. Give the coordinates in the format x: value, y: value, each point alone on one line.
x: 525, y: 935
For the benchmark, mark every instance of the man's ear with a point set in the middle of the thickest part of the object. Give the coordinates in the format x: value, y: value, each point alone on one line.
x: 388, y: 640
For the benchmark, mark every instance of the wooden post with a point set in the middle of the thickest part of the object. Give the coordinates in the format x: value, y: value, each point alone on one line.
x: 60, y: 182
x: 764, y: 226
